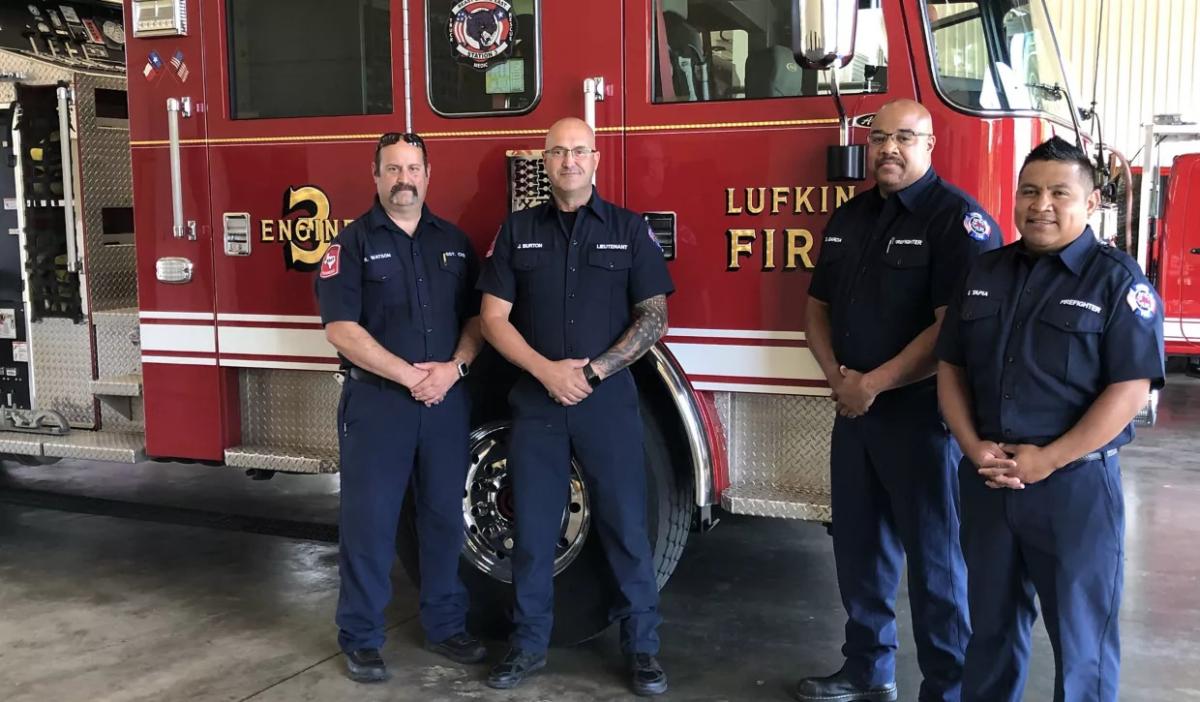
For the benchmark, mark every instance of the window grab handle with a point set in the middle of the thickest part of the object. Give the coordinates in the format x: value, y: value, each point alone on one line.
x: 177, y: 107
x: 593, y: 92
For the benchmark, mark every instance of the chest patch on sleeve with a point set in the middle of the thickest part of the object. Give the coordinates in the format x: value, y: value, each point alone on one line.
x: 654, y: 238
x: 329, y: 264
x: 1141, y: 301
x: 977, y: 226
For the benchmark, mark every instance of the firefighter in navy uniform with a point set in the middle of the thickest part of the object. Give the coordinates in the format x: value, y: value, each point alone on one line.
x: 574, y: 292
x: 397, y: 300
x: 891, y: 259
x: 1046, y: 356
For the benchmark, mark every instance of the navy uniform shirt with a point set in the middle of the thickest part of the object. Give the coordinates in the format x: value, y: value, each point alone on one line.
x: 1040, y: 337
x: 887, y: 263
x: 412, y: 294
x: 573, y: 291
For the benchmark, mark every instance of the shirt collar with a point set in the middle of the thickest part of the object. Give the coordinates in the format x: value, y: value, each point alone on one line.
x: 1076, y: 254
x: 911, y: 196
x: 379, y: 218
x: 595, y: 203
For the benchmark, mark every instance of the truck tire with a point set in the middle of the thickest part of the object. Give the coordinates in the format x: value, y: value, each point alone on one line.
x: 583, y: 581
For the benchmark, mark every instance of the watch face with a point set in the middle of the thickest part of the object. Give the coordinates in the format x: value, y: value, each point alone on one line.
x: 114, y: 31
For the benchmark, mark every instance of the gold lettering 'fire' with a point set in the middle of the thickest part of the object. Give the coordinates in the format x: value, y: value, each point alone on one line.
x: 785, y: 248
x: 306, y: 238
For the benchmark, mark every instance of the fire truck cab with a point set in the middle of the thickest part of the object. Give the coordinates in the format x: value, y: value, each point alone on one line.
x: 251, y: 126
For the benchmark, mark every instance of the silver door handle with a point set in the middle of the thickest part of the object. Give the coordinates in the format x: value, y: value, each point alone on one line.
x: 177, y: 107
x: 68, y: 175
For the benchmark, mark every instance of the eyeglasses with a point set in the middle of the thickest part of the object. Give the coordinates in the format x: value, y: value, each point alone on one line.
x: 578, y: 152
x: 904, y: 137
x: 410, y: 138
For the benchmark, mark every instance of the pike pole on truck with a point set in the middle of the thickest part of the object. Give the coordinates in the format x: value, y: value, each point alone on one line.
x: 170, y: 207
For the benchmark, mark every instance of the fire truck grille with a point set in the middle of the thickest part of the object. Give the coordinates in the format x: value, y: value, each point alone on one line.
x: 528, y: 185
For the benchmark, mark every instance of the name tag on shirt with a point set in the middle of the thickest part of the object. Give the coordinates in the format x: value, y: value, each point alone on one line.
x: 530, y: 245
x: 612, y: 247
x: 1091, y: 307
x: 376, y: 257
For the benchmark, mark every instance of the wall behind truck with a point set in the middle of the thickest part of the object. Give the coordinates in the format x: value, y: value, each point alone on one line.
x: 1149, y: 63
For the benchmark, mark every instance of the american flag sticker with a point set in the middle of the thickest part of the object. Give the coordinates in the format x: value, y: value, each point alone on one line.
x: 180, y: 68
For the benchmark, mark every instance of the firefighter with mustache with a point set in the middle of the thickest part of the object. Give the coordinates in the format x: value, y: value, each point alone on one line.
x: 889, y: 263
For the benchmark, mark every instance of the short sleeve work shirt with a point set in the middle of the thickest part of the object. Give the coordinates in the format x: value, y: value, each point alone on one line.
x: 886, y: 264
x: 412, y: 294
x: 1040, y: 337
x: 573, y: 291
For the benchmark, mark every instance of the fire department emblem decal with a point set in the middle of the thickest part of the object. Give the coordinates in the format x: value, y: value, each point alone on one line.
x: 329, y: 264
x: 977, y: 227
x: 481, y: 31
x: 1141, y: 301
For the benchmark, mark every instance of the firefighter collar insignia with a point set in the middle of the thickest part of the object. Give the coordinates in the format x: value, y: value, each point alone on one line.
x: 1141, y: 301
x: 481, y: 31
x: 977, y: 226
x: 329, y: 264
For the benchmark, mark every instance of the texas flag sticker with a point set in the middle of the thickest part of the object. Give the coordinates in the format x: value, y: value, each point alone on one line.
x: 329, y: 264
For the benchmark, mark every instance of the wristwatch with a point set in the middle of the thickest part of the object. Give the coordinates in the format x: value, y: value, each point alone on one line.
x: 590, y: 374
x: 463, y: 369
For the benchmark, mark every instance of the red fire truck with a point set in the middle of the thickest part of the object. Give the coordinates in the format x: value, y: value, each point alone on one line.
x: 252, y: 123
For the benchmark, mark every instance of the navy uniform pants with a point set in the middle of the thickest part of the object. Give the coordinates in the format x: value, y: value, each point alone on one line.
x: 895, y: 493
x: 1061, y: 538
x: 387, y: 439
x: 605, y: 433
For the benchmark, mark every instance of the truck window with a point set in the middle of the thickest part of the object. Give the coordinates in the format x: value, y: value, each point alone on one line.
x: 309, y: 58
x: 979, y: 46
x: 484, y: 56
x: 708, y: 50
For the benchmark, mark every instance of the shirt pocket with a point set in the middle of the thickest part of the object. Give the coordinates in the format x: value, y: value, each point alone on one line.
x: 1067, y: 344
x: 528, y: 259
x: 902, y: 254
x: 980, y: 331
x: 611, y: 259
x: 383, y: 283
x: 454, y: 263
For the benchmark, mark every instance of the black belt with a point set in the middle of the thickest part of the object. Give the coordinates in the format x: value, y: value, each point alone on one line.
x: 1093, y: 456
x: 363, y: 376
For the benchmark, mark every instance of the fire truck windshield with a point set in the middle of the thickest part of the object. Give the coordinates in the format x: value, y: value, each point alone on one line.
x: 997, y: 56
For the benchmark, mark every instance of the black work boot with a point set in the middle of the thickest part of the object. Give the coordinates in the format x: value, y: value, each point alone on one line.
x: 517, y: 664
x: 365, y: 665
x: 460, y: 648
x: 839, y: 687
x: 648, y: 676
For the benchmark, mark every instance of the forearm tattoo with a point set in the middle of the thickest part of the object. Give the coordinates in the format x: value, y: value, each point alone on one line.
x: 649, y: 325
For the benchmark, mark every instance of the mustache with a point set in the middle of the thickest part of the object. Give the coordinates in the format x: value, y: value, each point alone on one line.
x: 888, y: 159
x: 401, y: 187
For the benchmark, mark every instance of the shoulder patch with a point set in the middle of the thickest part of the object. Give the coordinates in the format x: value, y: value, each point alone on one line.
x: 977, y: 226
x: 653, y: 238
x: 329, y: 264
x: 1142, y: 301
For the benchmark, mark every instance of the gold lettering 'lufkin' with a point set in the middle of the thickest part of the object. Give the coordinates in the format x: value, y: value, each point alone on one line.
x: 781, y: 247
x: 797, y: 199
x: 797, y: 248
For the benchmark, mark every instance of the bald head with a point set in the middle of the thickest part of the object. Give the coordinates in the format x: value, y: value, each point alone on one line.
x: 570, y: 129
x: 571, y: 160
x: 906, y: 150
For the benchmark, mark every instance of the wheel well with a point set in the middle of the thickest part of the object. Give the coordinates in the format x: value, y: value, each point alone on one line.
x: 663, y: 388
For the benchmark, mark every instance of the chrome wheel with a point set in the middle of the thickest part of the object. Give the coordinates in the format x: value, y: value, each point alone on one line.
x: 488, y: 514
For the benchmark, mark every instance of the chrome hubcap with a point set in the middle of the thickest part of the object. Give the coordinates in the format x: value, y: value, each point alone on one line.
x: 489, y: 515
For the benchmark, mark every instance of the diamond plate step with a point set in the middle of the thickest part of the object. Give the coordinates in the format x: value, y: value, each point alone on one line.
x: 128, y: 385
x: 772, y: 501
x: 97, y: 445
x: 21, y: 443
x: 287, y: 460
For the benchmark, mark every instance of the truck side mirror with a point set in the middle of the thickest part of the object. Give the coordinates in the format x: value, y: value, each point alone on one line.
x: 823, y: 34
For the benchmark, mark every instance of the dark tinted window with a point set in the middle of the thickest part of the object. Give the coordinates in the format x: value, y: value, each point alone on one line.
x: 484, y: 56
x: 708, y: 50
x: 309, y: 58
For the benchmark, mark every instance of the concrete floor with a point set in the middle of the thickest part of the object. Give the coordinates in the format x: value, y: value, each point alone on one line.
x: 100, y: 608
